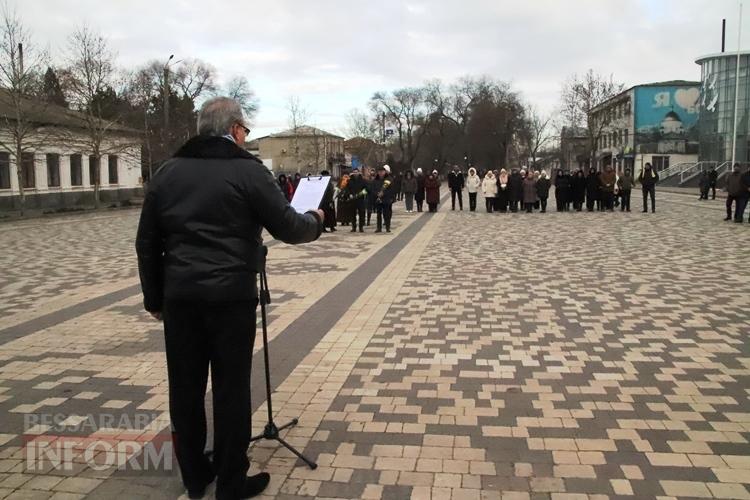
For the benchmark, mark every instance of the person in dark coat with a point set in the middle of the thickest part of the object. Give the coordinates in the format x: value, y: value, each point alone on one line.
x: 200, y: 248
x: 503, y: 191
x: 625, y: 186
x: 648, y: 179
x: 562, y: 191
x: 286, y: 187
x: 608, y: 179
x: 356, y: 192
x: 328, y: 206
x: 344, y: 206
x: 592, y: 189
x: 297, y: 178
x: 432, y: 191
x: 383, y: 188
x: 713, y: 178
x: 578, y: 190
x: 397, y: 180
x: 420, y: 194
x: 529, y: 193
x: 738, y: 190
x: 456, y: 185
x: 409, y: 187
x: 542, y: 190
x: 370, y: 199
x: 515, y: 190
x: 704, y: 184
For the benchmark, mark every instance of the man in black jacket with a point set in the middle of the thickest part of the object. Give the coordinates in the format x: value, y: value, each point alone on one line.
x: 383, y: 188
x: 198, y: 243
x: 648, y: 179
x: 713, y: 177
x: 357, y: 192
x: 456, y: 185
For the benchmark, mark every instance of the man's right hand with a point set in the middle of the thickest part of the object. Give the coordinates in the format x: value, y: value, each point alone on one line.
x: 321, y: 215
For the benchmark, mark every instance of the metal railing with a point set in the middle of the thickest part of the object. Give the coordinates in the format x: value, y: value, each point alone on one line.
x: 697, y: 168
x: 675, y: 169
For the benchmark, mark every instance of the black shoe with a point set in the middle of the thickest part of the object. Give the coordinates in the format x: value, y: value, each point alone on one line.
x: 644, y: 211
x: 361, y: 230
x: 254, y: 485
x: 738, y: 222
x: 333, y: 229
x: 727, y: 218
x: 354, y: 230
x: 201, y: 491
x: 388, y: 229
x: 378, y: 230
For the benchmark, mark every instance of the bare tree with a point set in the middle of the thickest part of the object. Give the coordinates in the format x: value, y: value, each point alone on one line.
x: 537, y: 131
x: 92, y: 74
x: 21, y: 62
x: 406, y: 110
x: 360, y: 124
x: 580, y: 96
x: 194, y: 78
x: 297, y: 118
x: 238, y: 88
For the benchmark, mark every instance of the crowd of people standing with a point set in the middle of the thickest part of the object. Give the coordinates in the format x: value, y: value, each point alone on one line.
x: 355, y: 197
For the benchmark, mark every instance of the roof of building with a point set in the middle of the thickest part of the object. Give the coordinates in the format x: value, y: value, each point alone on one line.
x: 667, y: 83
x: 722, y: 54
x: 357, y: 142
x: 45, y: 113
x: 301, y: 131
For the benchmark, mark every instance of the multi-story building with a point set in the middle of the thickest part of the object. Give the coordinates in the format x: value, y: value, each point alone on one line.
x: 716, y: 122
x: 304, y: 150
x: 57, y: 167
x: 652, y: 123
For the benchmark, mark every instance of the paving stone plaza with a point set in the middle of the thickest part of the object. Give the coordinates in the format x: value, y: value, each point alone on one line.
x: 464, y: 356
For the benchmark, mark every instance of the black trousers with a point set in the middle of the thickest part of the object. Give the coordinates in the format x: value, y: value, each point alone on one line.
x: 472, y: 201
x: 219, y: 335
x: 713, y: 191
x: 385, y: 212
x: 460, y: 194
x: 590, y: 201
x: 513, y: 205
x: 489, y: 203
x: 625, y: 195
x: 543, y: 203
x: 432, y: 207
x: 420, y: 203
x: 529, y: 207
x: 608, y: 200
x: 649, y: 191
x: 359, y: 212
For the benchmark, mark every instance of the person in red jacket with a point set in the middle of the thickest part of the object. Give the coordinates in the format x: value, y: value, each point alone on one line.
x: 432, y: 190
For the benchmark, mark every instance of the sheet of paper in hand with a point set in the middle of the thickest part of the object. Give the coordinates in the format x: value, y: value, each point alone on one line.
x: 309, y: 193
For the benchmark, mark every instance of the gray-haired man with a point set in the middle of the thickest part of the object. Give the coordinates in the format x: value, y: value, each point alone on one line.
x: 198, y: 238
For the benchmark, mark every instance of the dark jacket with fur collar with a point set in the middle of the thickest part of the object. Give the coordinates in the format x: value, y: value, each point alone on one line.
x: 199, y: 235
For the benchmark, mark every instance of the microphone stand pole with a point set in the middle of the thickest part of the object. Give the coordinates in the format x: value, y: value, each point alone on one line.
x: 271, y: 431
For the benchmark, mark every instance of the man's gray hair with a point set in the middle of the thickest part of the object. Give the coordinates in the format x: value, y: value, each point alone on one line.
x: 217, y: 116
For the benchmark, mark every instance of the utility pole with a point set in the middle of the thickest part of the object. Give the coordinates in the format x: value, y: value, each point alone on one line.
x: 165, y: 94
x: 20, y: 59
x: 736, y: 91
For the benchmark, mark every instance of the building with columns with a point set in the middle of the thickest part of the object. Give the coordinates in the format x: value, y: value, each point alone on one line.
x: 57, y: 168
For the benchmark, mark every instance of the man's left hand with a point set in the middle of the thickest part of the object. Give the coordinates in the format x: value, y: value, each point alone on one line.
x: 156, y: 315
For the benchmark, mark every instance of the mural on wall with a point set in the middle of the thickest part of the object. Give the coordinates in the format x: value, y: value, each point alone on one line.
x: 666, y: 119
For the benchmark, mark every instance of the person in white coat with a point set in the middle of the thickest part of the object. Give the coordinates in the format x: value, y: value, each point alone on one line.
x: 473, y: 184
x: 489, y: 189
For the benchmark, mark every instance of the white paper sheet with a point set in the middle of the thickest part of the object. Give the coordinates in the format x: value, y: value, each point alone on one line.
x: 309, y: 193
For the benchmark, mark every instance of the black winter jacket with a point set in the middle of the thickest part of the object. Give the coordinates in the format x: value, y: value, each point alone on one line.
x: 200, y: 229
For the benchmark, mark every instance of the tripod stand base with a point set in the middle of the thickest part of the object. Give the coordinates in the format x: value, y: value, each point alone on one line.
x: 271, y: 431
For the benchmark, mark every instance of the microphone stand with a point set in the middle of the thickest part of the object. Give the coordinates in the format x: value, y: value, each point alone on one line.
x: 271, y: 431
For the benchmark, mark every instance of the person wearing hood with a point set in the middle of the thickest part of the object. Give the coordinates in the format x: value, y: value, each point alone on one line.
x: 608, y: 180
x: 383, y: 188
x: 578, y: 190
x: 625, y: 186
x: 489, y: 190
x: 409, y: 187
x: 562, y: 191
x: 648, y: 179
x: 432, y: 191
x: 529, y: 192
x: 542, y: 190
x: 501, y: 200
x: 328, y: 205
x: 515, y: 190
x: 456, y: 185
x: 419, y: 195
x: 592, y: 189
x: 473, y: 183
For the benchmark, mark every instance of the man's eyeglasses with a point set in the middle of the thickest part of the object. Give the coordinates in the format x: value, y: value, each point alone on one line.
x: 247, y: 130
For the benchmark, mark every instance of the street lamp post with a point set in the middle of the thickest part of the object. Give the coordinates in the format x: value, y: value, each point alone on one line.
x: 736, y: 91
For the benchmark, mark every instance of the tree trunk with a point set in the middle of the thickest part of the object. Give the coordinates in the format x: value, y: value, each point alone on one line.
x: 19, y: 175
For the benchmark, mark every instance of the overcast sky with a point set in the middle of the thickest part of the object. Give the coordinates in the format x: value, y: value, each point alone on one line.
x: 333, y: 54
